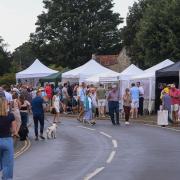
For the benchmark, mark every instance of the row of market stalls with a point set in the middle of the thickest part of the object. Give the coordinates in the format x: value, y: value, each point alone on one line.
x: 94, y: 73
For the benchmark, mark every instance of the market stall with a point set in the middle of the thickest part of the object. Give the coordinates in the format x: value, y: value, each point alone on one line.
x: 33, y: 73
x: 167, y: 75
x: 89, y: 69
x: 147, y: 80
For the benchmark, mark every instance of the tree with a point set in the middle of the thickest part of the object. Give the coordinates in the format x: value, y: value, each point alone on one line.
x: 71, y: 30
x: 129, y: 32
x: 159, y: 32
x: 4, y: 58
x: 23, y: 56
x: 152, y: 32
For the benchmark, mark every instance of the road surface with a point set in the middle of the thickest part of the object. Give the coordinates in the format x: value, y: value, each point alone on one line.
x: 102, y: 152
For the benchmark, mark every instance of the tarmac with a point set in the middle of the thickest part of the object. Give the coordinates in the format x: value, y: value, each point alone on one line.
x: 21, y: 147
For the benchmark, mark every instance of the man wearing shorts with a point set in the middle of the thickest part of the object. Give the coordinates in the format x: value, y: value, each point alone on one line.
x: 101, y: 97
x: 135, y: 100
x: 175, y: 101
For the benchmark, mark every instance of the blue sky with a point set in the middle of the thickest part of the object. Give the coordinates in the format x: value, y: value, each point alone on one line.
x: 18, y: 18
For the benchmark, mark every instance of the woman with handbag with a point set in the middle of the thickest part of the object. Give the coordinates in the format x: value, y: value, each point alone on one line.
x: 7, y: 127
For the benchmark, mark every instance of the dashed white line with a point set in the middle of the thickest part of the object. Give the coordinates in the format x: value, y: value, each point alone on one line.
x: 105, y: 134
x: 111, y: 156
x: 86, y: 128
x: 97, y: 171
x: 114, y: 143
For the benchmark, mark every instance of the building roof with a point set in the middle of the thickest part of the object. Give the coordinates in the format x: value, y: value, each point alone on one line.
x: 107, y: 60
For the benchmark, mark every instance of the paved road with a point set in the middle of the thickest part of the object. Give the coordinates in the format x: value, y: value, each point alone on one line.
x: 103, y: 152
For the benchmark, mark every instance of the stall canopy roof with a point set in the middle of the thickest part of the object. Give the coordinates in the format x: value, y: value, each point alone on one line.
x: 158, y: 66
x: 129, y: 72
x: 150, y: 73
x: 36, y: 70
x: 172, y: 70
x: 87, y: 70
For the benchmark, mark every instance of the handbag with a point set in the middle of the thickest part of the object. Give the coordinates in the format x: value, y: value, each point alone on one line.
x: 53, y: 110
x: 162, y: 118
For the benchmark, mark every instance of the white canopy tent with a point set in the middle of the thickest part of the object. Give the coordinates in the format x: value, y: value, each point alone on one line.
x: 147, y: 79
x: 89, y: 69
x: 123, y: 78
x: 130, y: 71
x: 34, y: 72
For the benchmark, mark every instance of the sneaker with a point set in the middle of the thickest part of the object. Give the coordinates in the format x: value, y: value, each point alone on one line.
x: 42, y: 137
x: 126, y: 123
x: 36, y: 138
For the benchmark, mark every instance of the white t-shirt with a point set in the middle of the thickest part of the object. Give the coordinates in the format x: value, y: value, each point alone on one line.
x: 141, y: 91
x: 8, y: 96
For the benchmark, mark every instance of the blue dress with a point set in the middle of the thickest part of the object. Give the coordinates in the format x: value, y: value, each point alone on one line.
x: 88, y: 115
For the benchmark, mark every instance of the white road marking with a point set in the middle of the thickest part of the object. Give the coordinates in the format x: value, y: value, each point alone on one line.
x: 97, y: 171
x: 105, y: 134
x: 86, y: 128
x: 172, y: 129
x: 111, y: 156
x: 114, y: 143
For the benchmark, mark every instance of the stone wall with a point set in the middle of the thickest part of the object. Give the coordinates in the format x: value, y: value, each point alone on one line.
x: 123, y: 61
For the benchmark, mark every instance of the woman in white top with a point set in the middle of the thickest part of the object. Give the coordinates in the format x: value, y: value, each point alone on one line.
x: 56, y: 106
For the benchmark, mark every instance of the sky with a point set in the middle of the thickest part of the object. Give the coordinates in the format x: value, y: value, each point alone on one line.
x: 18, y: 17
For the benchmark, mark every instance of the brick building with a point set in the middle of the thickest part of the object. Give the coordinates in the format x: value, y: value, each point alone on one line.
x: 115, y: 62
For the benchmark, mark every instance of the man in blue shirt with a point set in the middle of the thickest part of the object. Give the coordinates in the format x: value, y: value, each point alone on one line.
x: 135, y: 100
x: 38, y: 114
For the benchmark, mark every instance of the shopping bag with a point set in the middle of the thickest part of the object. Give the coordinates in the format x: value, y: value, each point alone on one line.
x: 162, y: 118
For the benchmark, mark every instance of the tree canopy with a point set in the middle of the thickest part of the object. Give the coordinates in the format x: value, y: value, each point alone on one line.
x: 69, y: 31
x: 4, y: 58
x: 152, y: 31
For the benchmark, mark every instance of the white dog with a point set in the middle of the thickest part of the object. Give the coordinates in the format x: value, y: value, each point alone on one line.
x: 51, y: 131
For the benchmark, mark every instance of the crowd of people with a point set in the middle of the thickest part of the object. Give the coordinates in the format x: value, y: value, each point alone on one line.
x: 170, y: 101
x: 88, y: 101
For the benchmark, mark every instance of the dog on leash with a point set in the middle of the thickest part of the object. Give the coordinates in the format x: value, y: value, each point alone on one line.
x: 51, y: 131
